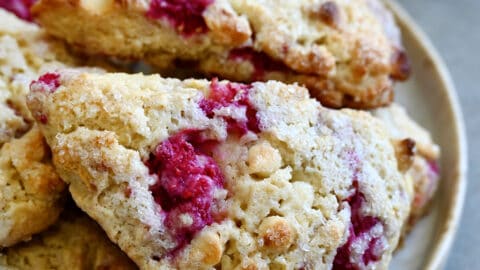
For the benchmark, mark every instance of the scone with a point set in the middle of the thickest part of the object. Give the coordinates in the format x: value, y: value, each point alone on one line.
x: 30, y: 191
x: 348, y: 53
x: 424, y: 171
x: 23, y: 51
x: 75, y: 242
x: 196, y: 174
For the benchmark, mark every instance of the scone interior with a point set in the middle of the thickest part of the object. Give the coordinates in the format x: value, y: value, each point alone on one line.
x: 347, y: 53
x: 198, y: 174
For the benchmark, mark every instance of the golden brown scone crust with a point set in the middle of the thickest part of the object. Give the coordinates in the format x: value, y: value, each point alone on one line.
x: 30, y: 190
x: 348, y: 53
x: 287, y: 187
x: 75, y: 242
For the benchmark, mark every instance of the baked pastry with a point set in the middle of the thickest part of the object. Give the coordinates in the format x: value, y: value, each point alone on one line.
x: 25, y: 51
x: 74, y: 242
x: 30, y: 190
x: 348, y: 53
x: 196, y: 174
x: 31, y: 193
x: 425, y: 170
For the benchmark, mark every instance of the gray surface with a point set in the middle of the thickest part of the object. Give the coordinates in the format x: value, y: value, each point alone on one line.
x: 454, y: 28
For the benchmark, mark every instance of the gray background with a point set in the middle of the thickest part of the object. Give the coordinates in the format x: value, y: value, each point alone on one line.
x: 454, y: 28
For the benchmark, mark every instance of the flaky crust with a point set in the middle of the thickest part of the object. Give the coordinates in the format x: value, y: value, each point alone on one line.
x: 348, y: 53
x: 75, y: 242
x: 287, y: 185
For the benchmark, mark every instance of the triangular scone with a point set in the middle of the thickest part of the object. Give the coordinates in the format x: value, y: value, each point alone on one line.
x: 75, y: 242
x: 425, y: 170
x: 348, y: 53
x: 194, y: 174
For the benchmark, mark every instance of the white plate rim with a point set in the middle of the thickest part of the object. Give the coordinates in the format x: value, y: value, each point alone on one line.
x: 439, y: 254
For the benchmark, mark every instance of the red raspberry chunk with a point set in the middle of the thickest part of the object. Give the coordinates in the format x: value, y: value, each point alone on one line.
x: 187, y: 181
x: 21, y: 8
x: 232, y: 94
x: 362, y: 239
x: 48, y: 82
x: 366, y: 242
x: 261, y: 62
x: 184, y: 15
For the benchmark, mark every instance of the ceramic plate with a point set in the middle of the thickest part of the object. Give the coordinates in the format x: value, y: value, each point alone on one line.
x: 430, y: 98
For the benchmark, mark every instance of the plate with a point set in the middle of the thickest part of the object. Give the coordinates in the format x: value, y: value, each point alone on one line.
x: 430, y: 98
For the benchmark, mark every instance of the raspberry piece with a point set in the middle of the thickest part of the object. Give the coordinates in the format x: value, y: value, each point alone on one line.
x: 260, y: 61
x: 362, y: 238
x: 434, y: 167
x: 48, y: 82
x: 236, y: 95
x: 21, y: 8
x: 366, y: 242
x: 187, y: 181
x: 184, y: 15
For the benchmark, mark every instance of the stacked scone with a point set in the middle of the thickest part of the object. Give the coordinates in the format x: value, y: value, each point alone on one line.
x: 252, y: 173
x: 33, y: 234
